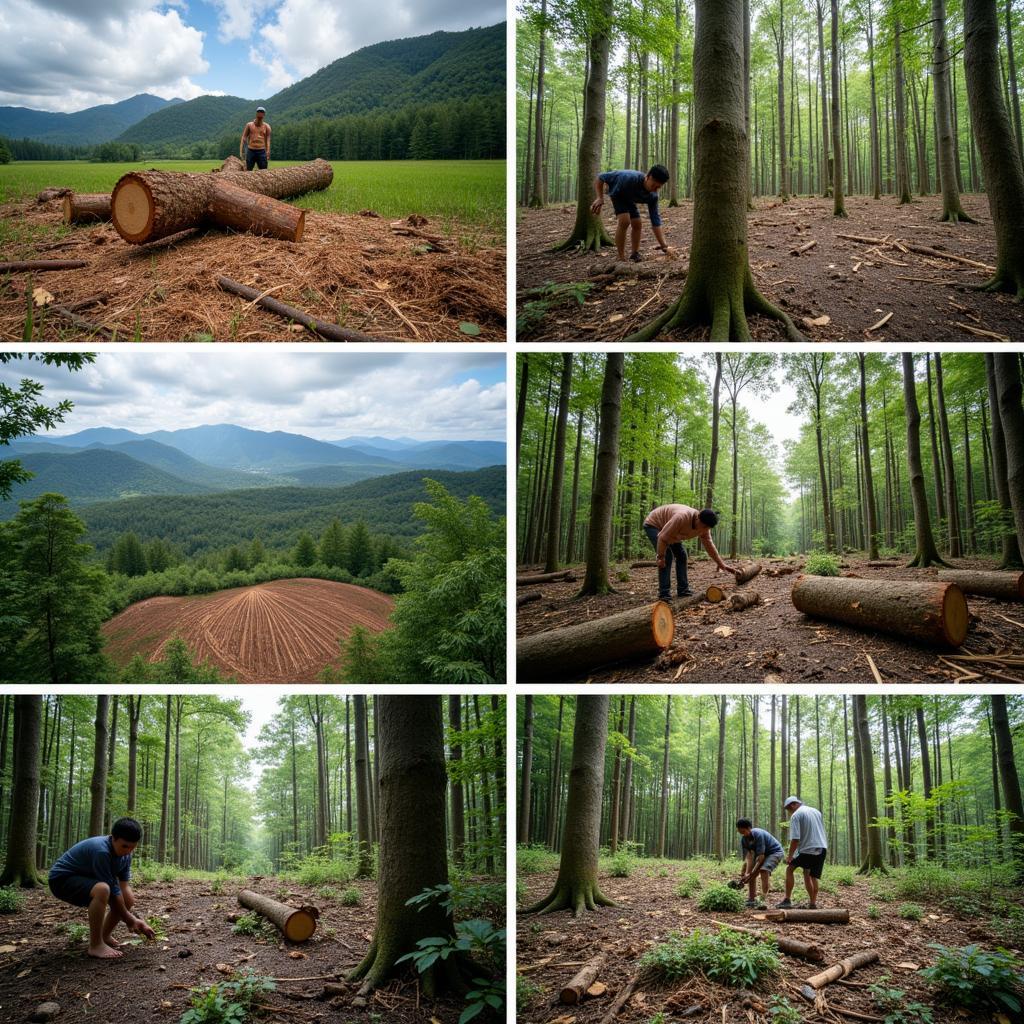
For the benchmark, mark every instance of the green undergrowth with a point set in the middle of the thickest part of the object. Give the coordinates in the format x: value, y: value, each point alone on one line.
x: 727, y: 957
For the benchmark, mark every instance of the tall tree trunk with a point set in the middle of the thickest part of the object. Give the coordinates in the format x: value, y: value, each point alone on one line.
x: 873, y: 859
x: 576, y: 887
x: 558, y: 471
x: 902, y: 156
x: 951, y: 208
x: 1008, y: 384
x: 556, y: 781
x: 625, y: 832
x: 164, y: 808
x: 1011, y: 552
x: 876, y: 154
x: 1012, y: 68
x: 720, y: 782
x: 458, y: 809
x: 98, y: 782
x: 525, y: 776
x: 538, y: 194
x: 1010, y: 779
x: 663, y: 817
x: 134, y: 715
x: 20, y: 861
x: 524, y: 382
x: 838, y: 206
x: 613, y: 824
x: 869, y: 485
x: 931, y: 838
x: 826, y: 142
x: 952, y: 501
x: 364, y: 863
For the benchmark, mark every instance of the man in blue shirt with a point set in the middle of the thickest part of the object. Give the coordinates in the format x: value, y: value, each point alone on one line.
x: 626, y: 189
x: 762, y: 854
x: 95, y: 873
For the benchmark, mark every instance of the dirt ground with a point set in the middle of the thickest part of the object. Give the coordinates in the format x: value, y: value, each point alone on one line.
x: 284, y: 631
x: 550, y: 949
x: 151, y: 981
x: 348, y: 269
x: 853, y: 284
x: 773, y: 642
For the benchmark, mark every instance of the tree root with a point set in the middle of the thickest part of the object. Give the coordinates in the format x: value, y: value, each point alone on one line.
x: 18, y: 879
x: 956, y: 216
x: 921, y: 561
x: 575, y: 897
x: 595, y: 240
x: 1004, y: 281
x: 452, y: 974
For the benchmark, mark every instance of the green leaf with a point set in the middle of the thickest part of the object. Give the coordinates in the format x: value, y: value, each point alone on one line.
x: 469, y: 328
x: 470, y: 1012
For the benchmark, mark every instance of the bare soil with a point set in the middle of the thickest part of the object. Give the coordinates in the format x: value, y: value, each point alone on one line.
x: 284, y: 631
x: 151, y: 982
x: 772, y: 642
x: 348, y: 269
x: 550, y: 949
x: 852, y: 283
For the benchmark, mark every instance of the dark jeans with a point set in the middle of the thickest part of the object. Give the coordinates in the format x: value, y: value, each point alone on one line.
x: 665, y: 575
x: 255, y: 156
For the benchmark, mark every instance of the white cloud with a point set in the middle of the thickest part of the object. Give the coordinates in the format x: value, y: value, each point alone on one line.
x: 238, y: 17
x: 51, y: 60
x: 275, y: 75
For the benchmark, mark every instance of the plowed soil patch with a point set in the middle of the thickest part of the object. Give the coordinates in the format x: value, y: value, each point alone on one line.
x: 280, y: 632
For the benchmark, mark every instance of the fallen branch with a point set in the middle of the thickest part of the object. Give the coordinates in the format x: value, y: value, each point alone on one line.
x: 881, y: 323
x: 79, y: 321
x: 620, y: 1000
x: 332, y: 332
x: 531, y: 595
x: 873, y: 667
x: 573, y: 992
x: 980, y: 332
x: 16, y: 266
x: 791, y: 947
x: 836, y: 971
x: 643, y: 565
x: 806, y: 247
x: 545, y: 577
x: 923, y: 250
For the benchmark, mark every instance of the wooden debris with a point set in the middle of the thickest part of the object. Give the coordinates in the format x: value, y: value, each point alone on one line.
x: 530, y: 595
x: 881, y: 323
x: 40, y: 266
x: 740, y: 602
x: 824, y: 915
x: 545, y: 577
x: 714, y: 593
x: 791, y: 947
x: 1006, y: 586
x: 806, y: 247
x: 620, y: 1000
x: 574, y: 991
x: 981, y: 332
x: 923, y: 250
x: 51, y: 193
x: 643, y: 565
x: 295, y: 923
x: 837, y: 971
x: 873, y: 667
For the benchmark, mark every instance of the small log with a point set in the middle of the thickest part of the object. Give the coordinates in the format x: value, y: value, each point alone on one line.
x: 51, y: 193
x: 574, y: 991
x: 791, y: 947
x: 330, y: 331
x: 740, y: 602
x: 1007, y: 586
x: 296, y: 923
x: 620, y: 1000
x: 806, y: 247
x: 748, y: 572
x: 86, y: 207
x: 41, y: 266
x: 336, y: 989
x: 714, y: 593
x: 557, y: 653
x: 544, y: 577
x: 643, y: 565
x: 932, y: 613
x: 90, y: 300
x: 79, y: 321
x: 530, y: 595
x: 882, y: 563
x: 824, y: 916
x: 234, y: 207
x: 836, y: 971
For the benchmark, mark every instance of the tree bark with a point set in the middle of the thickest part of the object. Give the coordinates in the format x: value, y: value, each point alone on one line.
x: 948, y: 471
x: 865, y: 444
x: 457, y: 798
x: 296, y: 924
x: 1006, y: 586
x: 576, y: 887
x: 98, y: 782
x: 570, y: 650
x: 233, y: 207
x: 873, y: 859
x: 822, y: 916
x: 1009, y: 778
x: 838, y: 206
x: 538, y: 195
x: 20, y: 862
x: 932, y: 613
x: 1011, y: 554
x: 663, y: 815
x: 1011, y: 415
x: 951, y: 208
x: 558, y: 470
x: 719, y: 822
x: 86, y: 207
x: 364, y: 863
x: 525, y: 778
x: 576, y: 989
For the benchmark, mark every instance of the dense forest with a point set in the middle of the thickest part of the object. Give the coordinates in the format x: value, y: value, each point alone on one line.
x: 630, y: 803
x: 900, y: 461
x: 440, y: 551
x: 319, y: 803
x: 875, y: 107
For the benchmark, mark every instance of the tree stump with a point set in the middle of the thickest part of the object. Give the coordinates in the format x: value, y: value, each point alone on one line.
x: 1006, y: 586
x: 932, y: 613
x: 295, y: 923
x: 557, y: 653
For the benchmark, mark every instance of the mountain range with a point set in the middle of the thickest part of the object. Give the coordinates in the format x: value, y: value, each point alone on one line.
x: 385, y: 76
x: 108, y: 463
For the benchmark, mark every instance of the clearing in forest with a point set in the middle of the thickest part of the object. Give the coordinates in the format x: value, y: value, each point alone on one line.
x: 284, y: 631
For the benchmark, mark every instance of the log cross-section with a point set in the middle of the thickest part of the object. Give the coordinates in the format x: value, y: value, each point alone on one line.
x: 295, y: 923
x: 932, y: 613
x: 549, y: 656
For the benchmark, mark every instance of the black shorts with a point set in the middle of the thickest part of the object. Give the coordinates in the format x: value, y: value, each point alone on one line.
x: 73, y: 889
x: 812, y: 863
x: 255, y: 156
x: 620, y: 205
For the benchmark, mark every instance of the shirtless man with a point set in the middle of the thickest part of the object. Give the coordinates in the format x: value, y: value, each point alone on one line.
x: 667, y: 526
x: 255, y: 144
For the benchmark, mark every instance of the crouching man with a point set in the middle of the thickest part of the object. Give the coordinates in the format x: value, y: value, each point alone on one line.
x: 762, y: 854
x: 96, y: 873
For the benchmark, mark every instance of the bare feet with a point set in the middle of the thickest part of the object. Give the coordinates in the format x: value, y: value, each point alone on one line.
x: 104, y: 952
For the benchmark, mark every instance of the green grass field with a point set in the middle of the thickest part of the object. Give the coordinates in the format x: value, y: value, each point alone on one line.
x: 470, y: 192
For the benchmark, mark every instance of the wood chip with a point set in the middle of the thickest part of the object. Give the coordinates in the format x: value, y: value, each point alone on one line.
x: 881, y: 323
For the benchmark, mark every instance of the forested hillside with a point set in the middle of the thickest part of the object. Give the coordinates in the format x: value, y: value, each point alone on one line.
x: 629, y: 829
x: 83, y: 127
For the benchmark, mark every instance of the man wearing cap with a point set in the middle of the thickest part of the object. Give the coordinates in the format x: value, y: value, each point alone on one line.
x: 762, y: 854
x: 667, y: 526
x: 808, y: 849
x: 255, y: 144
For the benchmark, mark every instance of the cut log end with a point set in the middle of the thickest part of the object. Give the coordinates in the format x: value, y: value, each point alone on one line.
x: 132, y: 209
x: 662, y: 624
x: 714, y: 593
x: 954, y: 615
x: 299, y: 926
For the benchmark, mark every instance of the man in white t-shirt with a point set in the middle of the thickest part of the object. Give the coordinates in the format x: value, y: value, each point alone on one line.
x: 808, y: 848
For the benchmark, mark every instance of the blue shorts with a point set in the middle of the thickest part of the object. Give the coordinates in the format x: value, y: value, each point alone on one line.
x: 255, y: 157
x: 73, y: 889
x: 620, y: 205
x: 771, y: 862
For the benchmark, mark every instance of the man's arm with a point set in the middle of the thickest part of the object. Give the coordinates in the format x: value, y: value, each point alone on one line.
x: 131, y: 921
x: 243, y: 140
x: 660, y: 236
x: 709, y: 547
x: 595, y: 206
x: 793, y: 845
x: 268, y: 141
x: 748, y: 868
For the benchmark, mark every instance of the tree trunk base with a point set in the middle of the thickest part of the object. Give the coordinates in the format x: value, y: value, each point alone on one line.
x: 22, y: 879
x: 583, y: 895
x: 453, y: 974
x: 956, y: 216
x: 1005, y: 280
x: 594, y: 239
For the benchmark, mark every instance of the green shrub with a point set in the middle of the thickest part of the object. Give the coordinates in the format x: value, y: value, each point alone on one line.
x: 688, y: 885
x: 893, y: 1003
x: 526, y: 991
x: 10, y: 901
x: 973, y: 977
x: 843, y: 876
x: 228, y: 1002
x: 925, y: 883
x: 911, y: 911
x: 873, y: 912
x: 148, y: 872
x: 254, y: 925
x: 75, y: 931
x: 729, y: 957
x: 531, y: 860
x: 351, y: 897
x: 782, y: 1011
x: 822, y: 564
x: 322, y: 870
x: 721, y: 899
x: 1008, y: 927
x: 622, y: 863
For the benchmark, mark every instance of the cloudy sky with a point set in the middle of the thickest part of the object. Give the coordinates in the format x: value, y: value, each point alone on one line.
x: 327, y: 395
x: 64, y: 55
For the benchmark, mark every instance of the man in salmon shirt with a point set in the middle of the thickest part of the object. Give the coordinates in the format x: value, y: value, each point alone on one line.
x: 668, y: 526
x: 255, y: 144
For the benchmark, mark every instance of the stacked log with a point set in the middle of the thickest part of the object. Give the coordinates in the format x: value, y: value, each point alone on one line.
x: 557, y: 653
x: 932, y: 613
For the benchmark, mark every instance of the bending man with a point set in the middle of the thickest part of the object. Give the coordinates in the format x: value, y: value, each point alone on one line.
x: 667, y: 526
x: 626, y: 189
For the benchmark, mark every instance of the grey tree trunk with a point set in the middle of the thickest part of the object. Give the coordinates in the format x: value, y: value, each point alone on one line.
x: 873, y: 858
x: 949, y: 473
x: 1008, y: 383
x: 525, y: 776
x: 20, y: 862
x: 951, y: 208
x: 458, y: 810
x: 364, y: 865
x: 538, y: 195
x: 869, y: 486
x: 838, y: 206
x: 558, y: 470
x: 1011, y: 548
x: 1009, y: 778
x: 902, y: 155
x: 98, y: 782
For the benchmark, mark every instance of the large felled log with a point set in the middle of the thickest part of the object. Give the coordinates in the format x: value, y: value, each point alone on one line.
x: 824, y: 916
x: 1007, y: 586
x: 295, y: 923
x: 86, y: 207
x: 148, y: 205
x: 748, y: 572
x: 842, y: 969
x: 933, y: 613
x: 573, y: 992
x: 231, y: 165
x: 791, y: 947
x: 546, y: 657
x: 234, y: 207
x: 544, y: 577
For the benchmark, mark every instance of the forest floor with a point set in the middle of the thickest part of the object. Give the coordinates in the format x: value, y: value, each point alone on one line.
x: 40, y: 961
x: 551, y: 948
x: 353, y: 270
x: 834, y: 291
x: 771, y: 642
